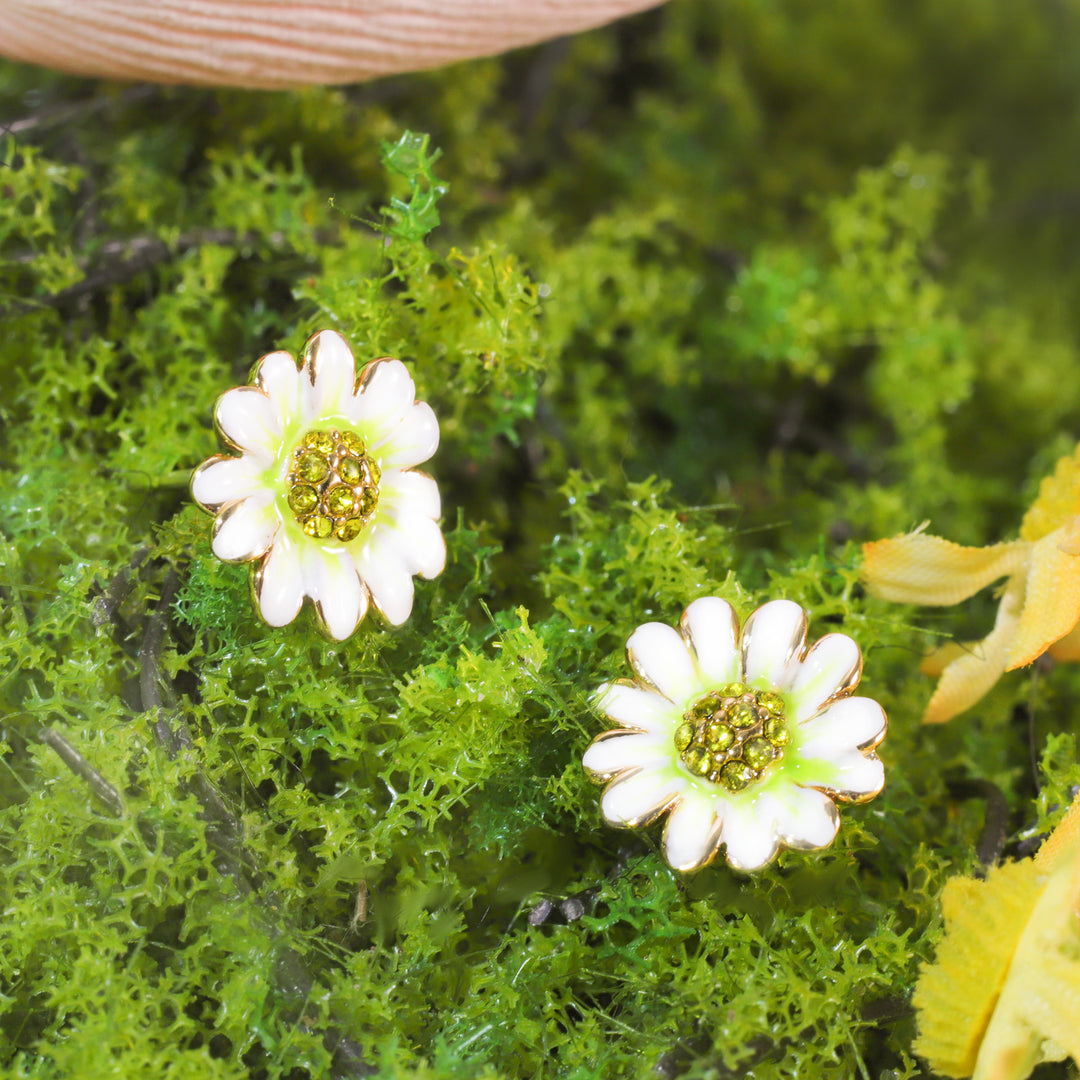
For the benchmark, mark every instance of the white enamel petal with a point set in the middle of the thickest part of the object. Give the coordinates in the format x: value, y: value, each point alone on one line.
x: 246, y: 529
x: 852, y: 775
x: 832, y: 666
x: 712, y: 628
x: 223, y: 480
x: 386, y: 577
x: 277, y: 376
x: 401, y: 524
x: 847, y: 724
x: 615, y: 750
x: 248, y: 419
x: 638, y: 798
x: 410, y: 491
x: 330, y: 579
x: 420, y: 545
x: 386, y: 394
x: 328, y: 377
x: 632, y: 707
x: 692, y: 832
x: 749, y: 832
x: 279, y: 584
x: 808, y: 819
x: 411, y: 440
x: 773, y: 637
x: 659, y: 655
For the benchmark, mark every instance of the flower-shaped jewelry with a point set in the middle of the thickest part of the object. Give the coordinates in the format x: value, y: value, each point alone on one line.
x: 748, y: 741
x: 324, y: 492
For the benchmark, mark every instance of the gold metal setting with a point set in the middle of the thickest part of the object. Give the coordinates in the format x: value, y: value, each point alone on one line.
x: 333, y: 485
x: 733, y: 736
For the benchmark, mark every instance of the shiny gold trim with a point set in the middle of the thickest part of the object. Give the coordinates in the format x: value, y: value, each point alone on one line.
x: 217, y: 422
x: 219, y: 522
x: 640, y: 678
x: 365, y: 605
x: 876, y: 740
x: 646, y: 817
x: 796, y: 646
x: 210, y: 508
x: 632, y: 684
x: 849, y: 682
x: 796, y: 843
x: 688, y: 637
x: 595, y: 775
x: 367, y: 372
x: 255, y: 374
x: 777, y: 848
x: 712, y: 848
x: 852, y: 798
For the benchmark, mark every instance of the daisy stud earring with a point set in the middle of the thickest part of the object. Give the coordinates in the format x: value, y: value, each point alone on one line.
x: 746, y: 740
x: 323, y: 498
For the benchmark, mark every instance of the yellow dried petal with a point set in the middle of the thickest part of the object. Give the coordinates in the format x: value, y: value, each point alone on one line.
x: 1062, y: 839
x: 1004, y: 992
x: 935, y: 663
x: 922, y: 569
x: 1057, y: 501
x: 1052, y: 601
x: 1016, y: 1039
x: 975, y: 670
x: 1067, y: 649
x: 955, y: 996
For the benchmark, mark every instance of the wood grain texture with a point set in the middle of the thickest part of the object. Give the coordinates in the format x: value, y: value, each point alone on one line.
x: 272, y: 44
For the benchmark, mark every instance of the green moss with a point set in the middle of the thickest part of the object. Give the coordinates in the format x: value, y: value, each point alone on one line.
x: 702, y: 300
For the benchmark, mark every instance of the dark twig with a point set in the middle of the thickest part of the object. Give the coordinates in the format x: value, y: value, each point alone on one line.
x: 53, y: 115
x: 173, y: 736
x: 991, y: 842
x: 105, y: 792
x: 117, y: 261
x: 1033, y: 753
x: 106, y: 605
x: 225, y: 834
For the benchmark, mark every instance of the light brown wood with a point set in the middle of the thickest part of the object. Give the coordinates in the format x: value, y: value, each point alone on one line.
x: 271, y: 44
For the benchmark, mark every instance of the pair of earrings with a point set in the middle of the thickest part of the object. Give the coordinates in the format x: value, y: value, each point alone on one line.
x: 746, y: 738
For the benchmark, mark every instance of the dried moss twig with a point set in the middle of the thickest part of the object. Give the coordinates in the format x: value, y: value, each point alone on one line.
x: 991, y: 841
x: 118, y: 261
x: 106, y: 605
x: 225, y: 834
x: 105, y: 792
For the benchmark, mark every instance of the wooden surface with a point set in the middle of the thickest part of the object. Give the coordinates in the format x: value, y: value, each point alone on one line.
x: 271, y: 43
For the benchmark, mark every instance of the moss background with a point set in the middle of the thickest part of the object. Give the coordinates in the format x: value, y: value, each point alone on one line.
x: 703, y: 300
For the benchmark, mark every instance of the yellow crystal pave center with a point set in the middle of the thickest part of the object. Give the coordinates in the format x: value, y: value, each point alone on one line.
x: 333, y: 485
x: 733, y: 735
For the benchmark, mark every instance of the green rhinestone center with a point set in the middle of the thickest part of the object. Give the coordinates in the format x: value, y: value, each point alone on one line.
x: 733, y: 736
x: 333, y: 484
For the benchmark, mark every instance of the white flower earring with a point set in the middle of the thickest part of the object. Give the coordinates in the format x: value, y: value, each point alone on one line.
x: 324, y: 493
x: 748, y: 741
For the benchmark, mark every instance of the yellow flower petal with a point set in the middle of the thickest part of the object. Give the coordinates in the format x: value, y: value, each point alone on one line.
x: 955, y: 996
x: 1052, y: 604
x: 1057, y: 501
x: 972, y: 674
x: 1004, y: 991
x: 921, y: 569
x: 1062, y: 839
x: 1028, y: 1025
x: 935, y: 663
x: 1067, y: 648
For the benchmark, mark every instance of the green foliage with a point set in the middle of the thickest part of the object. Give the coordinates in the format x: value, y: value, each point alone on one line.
x: 702, y: 300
